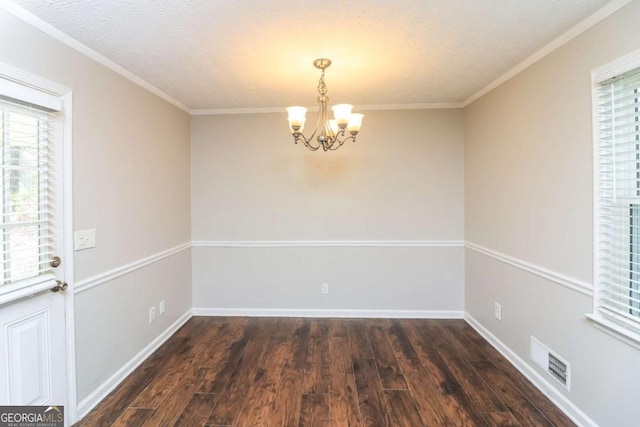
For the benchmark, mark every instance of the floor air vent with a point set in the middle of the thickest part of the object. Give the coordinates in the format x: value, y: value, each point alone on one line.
x: 558, y: 369
x: 555, y: 366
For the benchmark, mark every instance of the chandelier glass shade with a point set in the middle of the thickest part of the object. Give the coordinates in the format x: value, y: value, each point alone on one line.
x: 330, y: 134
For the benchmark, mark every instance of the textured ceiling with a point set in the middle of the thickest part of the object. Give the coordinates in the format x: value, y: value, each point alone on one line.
x: 216, y: 54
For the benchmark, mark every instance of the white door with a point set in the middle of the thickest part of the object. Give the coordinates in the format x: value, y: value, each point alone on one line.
x: 34, y: 363
x: 33, y: 344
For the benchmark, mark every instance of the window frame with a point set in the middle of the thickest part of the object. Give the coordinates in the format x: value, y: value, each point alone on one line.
x: 19, y: 85
x: 629, y: 335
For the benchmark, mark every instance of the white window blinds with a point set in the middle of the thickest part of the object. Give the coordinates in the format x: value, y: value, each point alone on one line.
x: 25, y: 199
x: 618, y: 200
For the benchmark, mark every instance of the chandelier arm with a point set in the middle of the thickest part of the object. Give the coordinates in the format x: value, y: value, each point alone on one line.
x: 340, y: 142
x: 305, y: 141
x: 336, y: 144
x: 327, y: 130
x: 312, y: 135
x: 322, y: 113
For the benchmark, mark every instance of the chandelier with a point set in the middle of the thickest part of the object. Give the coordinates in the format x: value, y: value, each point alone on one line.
x: 329, y: 134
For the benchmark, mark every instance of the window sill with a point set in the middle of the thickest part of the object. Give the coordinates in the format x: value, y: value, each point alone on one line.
x: 615, y: 329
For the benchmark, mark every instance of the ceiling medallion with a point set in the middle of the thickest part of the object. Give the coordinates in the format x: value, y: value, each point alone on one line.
x: 329, y: 134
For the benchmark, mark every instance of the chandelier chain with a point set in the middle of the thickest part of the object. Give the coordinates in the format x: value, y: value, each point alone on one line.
x: 322, y: 87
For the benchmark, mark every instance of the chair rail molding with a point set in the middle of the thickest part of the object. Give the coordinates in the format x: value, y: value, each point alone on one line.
x: 323, y: 243
x: 568, y: 282
x: 107, y: 276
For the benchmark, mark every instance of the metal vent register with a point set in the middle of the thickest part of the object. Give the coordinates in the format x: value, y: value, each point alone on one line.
x: 555, y: 366
x: 558, y: 369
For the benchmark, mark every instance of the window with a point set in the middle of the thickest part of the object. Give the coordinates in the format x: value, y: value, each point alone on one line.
x: 24, y: 195
x: 617, y: 202
x: 34, y: 147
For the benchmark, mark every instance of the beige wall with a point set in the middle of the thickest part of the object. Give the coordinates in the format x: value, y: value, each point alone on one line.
x: 131, y: 183
x: 424, y: 280
x: 402, y: 180
x: 528, y: 195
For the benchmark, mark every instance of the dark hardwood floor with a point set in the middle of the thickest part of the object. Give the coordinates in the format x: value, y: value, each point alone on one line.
x: 273, y: 372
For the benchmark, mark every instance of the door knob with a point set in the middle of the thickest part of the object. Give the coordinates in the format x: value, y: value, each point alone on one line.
x: 60, y: 286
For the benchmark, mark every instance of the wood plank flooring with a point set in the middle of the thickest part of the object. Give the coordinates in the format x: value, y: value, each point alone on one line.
x: 272, y: 372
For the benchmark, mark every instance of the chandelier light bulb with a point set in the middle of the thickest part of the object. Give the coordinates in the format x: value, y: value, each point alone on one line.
x: 355, y: 122
x: 342, y: 113
x: 297, y: 117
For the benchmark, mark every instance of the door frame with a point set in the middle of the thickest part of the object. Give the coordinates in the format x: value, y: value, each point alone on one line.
x: 65, y: 94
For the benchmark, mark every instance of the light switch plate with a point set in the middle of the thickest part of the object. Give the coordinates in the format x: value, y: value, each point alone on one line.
x: 85, y: 239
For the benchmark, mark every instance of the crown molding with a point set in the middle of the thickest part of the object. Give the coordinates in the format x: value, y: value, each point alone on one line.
x: 366, y: 107
x: 417, y: 106
x: 248, y: 110
x: 578, y: 29
x: 53, y: 32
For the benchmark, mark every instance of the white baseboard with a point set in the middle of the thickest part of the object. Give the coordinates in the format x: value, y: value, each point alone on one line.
x: 325, y: 313
x: 108, y: 386
x: 559, y: 399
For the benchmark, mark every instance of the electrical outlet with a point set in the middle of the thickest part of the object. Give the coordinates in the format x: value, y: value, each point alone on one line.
x: 152, y: 314
x: 325, y: 288
x: 84, y: 239
x: 497, y: 311
x: 161, y: 307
